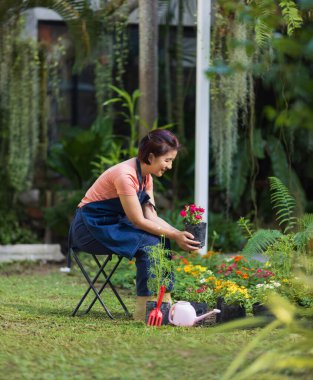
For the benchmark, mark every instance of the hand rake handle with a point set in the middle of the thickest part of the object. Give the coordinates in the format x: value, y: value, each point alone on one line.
x: 160, y: 298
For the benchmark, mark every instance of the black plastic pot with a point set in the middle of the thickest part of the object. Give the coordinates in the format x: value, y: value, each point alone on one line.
x: 261, y: 310
x: 198, y: 231
x: 229, y: 312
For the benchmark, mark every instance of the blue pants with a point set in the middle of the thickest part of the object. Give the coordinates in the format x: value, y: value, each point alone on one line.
x: 81, y: 239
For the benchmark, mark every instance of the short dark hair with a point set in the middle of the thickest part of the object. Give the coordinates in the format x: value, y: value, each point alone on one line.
x: 158, y: 142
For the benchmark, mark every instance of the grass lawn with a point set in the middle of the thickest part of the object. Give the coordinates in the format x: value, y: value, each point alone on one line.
x: 40, y: 340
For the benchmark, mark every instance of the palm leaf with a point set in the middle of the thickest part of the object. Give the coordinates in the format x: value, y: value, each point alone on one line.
x: 260, y: 241
x: 283, y: 202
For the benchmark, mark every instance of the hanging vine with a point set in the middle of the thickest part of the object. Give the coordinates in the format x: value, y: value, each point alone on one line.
x: 232, y: 93
x: 232, y: 84
x: 19, y: 103
x: 103, y: 67
x: 121, y: 44
x: 111, y: 51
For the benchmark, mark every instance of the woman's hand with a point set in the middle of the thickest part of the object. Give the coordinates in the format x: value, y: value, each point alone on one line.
x: 185, y: 242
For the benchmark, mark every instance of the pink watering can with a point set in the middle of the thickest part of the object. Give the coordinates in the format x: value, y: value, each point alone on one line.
x: 184, y: 314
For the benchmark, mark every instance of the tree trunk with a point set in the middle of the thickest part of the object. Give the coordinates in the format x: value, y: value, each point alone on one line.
x: 167, y: 64
x: 148, y: 64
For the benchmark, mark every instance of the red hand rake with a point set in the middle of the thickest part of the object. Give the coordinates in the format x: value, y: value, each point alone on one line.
x: 156, y: 316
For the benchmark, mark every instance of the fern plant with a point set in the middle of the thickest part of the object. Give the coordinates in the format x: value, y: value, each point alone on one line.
x: 283, y: 202
x: 260, y: 241
x: 291, y: 15
x: 281, y: 247
x: 267, y: 10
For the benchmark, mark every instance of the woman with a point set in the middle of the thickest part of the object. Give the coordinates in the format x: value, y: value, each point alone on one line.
x: 118, y: 211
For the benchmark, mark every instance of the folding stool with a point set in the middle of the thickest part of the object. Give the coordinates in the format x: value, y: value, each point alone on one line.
x: 92, y: 282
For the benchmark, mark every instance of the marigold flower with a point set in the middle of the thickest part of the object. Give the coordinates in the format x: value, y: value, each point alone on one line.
x: 238, y: 258
x: 185, y: 261
x: 209, y: 254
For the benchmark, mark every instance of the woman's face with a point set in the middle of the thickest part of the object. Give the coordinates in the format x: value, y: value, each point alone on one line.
x: 159, y: 165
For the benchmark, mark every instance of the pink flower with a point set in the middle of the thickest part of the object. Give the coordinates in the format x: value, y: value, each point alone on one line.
x: 201, y: 290
x: 192, y: 214
x: 192, y: 209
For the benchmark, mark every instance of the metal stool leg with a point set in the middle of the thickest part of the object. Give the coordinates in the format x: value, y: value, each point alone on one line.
x: 110, y: 284
x: 91, y: 286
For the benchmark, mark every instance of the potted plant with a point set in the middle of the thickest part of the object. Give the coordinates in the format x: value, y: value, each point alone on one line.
x: 160, y: 273
x: 192, y: 215
x: 260, y: 296
x: 232, y: 300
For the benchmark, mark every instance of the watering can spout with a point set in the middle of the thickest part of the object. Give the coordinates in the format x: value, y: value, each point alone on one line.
x: 203, y: 316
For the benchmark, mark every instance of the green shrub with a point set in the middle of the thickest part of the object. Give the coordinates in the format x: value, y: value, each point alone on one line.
x: 11, y: 232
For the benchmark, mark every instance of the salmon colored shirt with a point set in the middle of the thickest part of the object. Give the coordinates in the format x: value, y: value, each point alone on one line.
x: 120, y: 179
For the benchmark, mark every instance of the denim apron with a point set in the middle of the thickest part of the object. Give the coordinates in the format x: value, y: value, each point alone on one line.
x: 106, y: 222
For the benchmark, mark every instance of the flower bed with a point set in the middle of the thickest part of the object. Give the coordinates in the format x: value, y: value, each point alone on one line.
x: 235, y: 280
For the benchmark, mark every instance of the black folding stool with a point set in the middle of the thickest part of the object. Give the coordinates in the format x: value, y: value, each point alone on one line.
x: 73, y: 253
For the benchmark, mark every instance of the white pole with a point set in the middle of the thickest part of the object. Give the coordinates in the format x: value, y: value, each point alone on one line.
x: 202, y: 109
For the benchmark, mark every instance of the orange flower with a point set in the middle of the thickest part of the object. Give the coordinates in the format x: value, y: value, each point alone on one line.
x: 238, y: 258
x: 245, y: 276
x: 185, y: 261
x: 209, y: 254
x: 131, y: 262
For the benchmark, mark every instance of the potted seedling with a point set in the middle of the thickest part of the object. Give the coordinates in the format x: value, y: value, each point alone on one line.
x: 160, y: 273
x: 192, y: 215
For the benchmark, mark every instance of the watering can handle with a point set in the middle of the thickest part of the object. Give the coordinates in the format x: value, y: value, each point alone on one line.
x: 170, y: 314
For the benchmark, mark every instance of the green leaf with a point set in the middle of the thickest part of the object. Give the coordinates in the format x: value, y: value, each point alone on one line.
x: 260, y: 241
x: 110, y: 101
x: 284, y: 202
